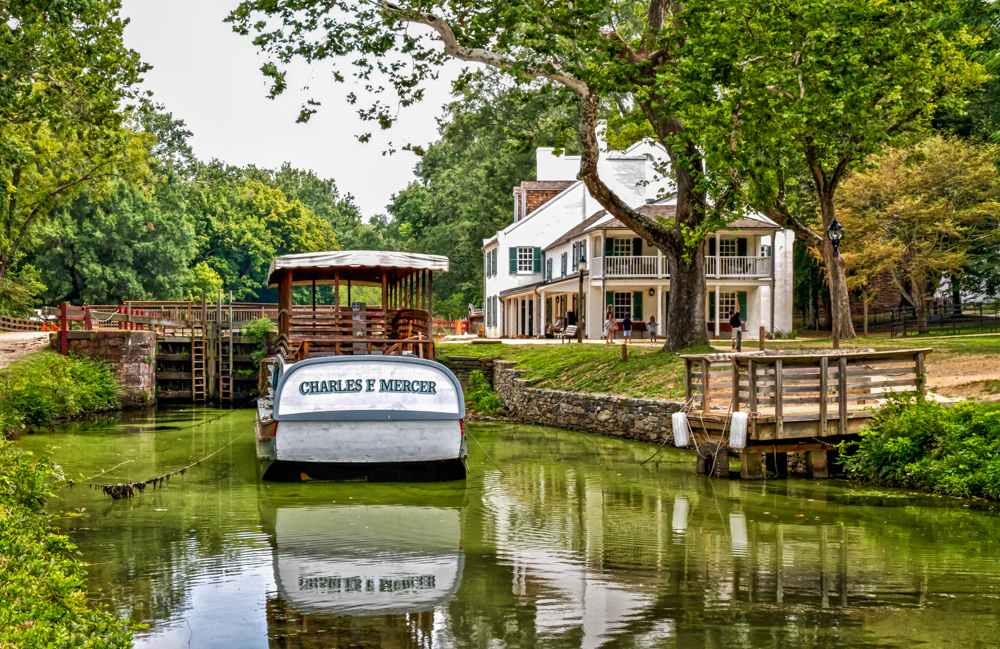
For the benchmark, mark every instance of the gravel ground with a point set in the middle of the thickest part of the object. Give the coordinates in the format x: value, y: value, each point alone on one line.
x: 15, y: 344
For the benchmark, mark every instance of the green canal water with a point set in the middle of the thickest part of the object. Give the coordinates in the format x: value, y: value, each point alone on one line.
x: 573, y: 545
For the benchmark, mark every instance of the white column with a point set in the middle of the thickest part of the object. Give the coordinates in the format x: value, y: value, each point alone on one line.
x: 717, y: 305
x: 660, y: 321
x: 718, y: 273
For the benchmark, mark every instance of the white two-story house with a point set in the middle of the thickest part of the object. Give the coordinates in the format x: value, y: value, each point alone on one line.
x: 531, y: 271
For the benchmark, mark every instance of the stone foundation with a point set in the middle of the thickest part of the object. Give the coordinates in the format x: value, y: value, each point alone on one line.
x: 131, y: 354
x: 647, y: 420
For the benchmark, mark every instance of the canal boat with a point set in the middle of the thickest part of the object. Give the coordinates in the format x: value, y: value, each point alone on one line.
x: 353, y: 392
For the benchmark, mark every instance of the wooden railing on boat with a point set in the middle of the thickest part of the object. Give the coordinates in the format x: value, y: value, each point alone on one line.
x: 334, y: 333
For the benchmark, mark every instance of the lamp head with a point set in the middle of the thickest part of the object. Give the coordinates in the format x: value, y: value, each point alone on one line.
x: 835, y: 233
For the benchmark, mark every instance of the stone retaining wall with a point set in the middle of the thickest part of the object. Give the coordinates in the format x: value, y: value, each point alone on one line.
x: 131, y: 354
x: 463, y: 366
x: 646, y: 420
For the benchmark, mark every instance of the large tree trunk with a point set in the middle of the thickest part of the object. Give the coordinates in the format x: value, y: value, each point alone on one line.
x: 686, y: 318
x: 836, y: 275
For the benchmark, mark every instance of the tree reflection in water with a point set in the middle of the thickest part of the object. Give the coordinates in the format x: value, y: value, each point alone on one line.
x: 575, y: 545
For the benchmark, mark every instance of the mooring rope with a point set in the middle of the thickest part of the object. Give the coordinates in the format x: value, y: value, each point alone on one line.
x: 129, y: 489
x: 484, y: 451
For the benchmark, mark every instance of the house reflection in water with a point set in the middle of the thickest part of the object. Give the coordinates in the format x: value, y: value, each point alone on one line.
x: 562, y: 554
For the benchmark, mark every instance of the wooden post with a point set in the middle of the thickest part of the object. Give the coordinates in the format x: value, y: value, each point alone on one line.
x: 736, y: 385
x: 624, y: 352
x: 824, y: 395
x: 385, y: 298
x: 921, y: 381
x: 314, y: 298
x: 430, y: 297
x: 284, y: 304
x: 336, y: 292
x: 816, y: 464
x: 761, y: 337
x: 842, y: 394
x: 752, y: 370
x: 88, y: 323
x: 750, y: 465
x: 688, y: 390
x: 705, y: 398
x: 63, y: 331
x: 779, y: 406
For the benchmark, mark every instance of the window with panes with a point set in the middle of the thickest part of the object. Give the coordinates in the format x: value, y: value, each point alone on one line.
x: 623, y: 305
x: 621, y: 247
x: 727, y: 304
x: 548, y: 269
x: 727, y: 247
x: 525, y: 260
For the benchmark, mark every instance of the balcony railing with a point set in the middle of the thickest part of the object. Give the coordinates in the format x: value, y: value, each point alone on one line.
x: 651, y: 266
x: 738, y: 266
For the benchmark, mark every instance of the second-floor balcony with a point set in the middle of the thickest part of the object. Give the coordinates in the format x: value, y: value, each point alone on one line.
x: 654, y: 266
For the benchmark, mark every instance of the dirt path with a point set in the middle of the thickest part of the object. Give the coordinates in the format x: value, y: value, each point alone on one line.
x: 14, y: 345
x: 970, y: 376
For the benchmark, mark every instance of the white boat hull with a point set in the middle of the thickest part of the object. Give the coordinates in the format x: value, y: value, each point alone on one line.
x: 344, y: 417
x: 368, y: 441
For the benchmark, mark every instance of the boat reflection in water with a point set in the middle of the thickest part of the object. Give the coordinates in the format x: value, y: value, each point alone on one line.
x: 336, y: 565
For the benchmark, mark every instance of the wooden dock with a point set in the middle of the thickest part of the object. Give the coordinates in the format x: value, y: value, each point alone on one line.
x: 797, y: 402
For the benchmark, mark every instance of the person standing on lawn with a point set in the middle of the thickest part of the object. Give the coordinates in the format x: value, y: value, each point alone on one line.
x: 609, y: 325
x: 734, y: 322
x: 651, y: 326
x: 627, y: 328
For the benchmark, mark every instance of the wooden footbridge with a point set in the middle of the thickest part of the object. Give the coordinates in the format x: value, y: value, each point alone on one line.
x: 796, y: 401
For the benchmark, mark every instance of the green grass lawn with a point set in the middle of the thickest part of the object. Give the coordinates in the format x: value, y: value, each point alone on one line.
x: 652, y: 374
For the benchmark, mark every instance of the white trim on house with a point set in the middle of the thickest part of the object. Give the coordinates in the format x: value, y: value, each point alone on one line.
x: 573, y: 222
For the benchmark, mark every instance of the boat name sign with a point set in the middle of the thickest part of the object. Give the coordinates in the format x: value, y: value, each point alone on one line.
x: 367, y: 385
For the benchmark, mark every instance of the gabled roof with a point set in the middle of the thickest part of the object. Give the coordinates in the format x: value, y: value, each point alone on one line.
x: 747, y: 222
x: 545, y: 185
x: 577, y: 230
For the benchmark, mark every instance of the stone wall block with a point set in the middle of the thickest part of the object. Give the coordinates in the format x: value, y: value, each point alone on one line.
x: 641, y: 419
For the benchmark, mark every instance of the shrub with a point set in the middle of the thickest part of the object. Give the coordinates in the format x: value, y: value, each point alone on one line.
x: 923, y: 445
x: 45, y: 386
x: 257, y: 331
x: 480, y: 395
x: 42, y: 598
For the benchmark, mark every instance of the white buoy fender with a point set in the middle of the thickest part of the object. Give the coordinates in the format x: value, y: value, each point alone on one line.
x: 738, y: 431
x: 682, y: 429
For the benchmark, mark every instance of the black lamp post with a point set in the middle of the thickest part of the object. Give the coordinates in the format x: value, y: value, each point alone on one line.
x: 581, y: 266
x: 835, y: 233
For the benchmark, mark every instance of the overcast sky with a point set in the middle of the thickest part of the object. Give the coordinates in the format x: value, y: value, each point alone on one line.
x: 210, y: 77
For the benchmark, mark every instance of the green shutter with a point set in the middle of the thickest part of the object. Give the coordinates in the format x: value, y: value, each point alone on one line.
x: 741, y: 247
x: 583, y: 249
x: 711, y: 306
x: 637, y: 306
x: 513, y: 260
x: 538, y: 260
x: 711, y: 247
x: 609, y: 246
x: 637, y: 247
x: 741, y: 298
x: 609, y: 299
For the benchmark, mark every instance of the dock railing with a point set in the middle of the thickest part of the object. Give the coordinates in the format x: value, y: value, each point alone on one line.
x: 792, y: 394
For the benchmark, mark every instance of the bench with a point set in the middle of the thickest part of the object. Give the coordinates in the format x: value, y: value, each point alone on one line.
x: 569, y: 333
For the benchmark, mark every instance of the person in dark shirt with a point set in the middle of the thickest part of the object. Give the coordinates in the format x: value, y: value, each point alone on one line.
x: 734, y: 322
x: 627, y: 327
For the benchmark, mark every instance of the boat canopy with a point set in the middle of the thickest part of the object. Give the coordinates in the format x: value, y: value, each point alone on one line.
x: 362, y: 267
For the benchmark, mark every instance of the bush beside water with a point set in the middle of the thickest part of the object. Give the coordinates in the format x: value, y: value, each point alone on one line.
x: 44, y: 386
x: 923, y: 445
x: 480, y: 396
x: 42, y: 598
